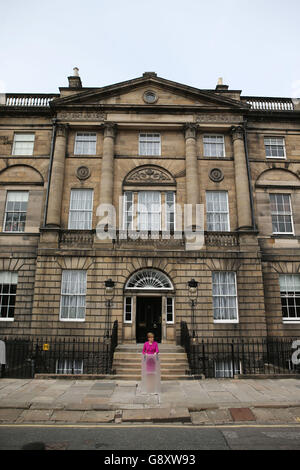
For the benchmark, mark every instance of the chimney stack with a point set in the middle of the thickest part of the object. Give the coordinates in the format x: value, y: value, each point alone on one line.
x: 220, y: 86
x: 75, y: 80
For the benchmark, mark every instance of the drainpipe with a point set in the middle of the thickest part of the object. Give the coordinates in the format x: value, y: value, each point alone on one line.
x: 249, y: 175
x: 54, y: 121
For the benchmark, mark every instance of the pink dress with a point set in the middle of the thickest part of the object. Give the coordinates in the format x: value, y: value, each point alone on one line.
x: 150, y: 349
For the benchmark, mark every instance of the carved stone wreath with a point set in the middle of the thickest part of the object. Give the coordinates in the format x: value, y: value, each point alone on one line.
x: 216, y: 175
x: 83, y: 173
x: 148, y: 175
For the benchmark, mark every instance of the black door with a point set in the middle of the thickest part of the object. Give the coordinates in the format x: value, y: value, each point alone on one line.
x: 148, y: 318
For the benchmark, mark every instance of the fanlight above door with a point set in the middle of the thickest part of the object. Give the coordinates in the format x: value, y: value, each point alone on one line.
x: 149, y: 279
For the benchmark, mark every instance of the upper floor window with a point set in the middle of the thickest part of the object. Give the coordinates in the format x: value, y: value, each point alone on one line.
x: 85, y: 143
x: 8, y: 289
x: 214, y: 146
x: 275, y: 147
x: 15, y: 211
x: 149, y: 210
x: 217, y: 212
x: 290, y: 296
x: 281, y: 211
x: 149, y: 144
x: 81, y: 209
x: 23, y: 144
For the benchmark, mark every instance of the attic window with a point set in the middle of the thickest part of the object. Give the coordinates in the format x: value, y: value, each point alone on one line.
x: 150, y: 97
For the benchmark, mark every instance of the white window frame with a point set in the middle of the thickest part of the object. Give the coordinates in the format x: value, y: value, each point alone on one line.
x: 147, y: 141
x: 140, y: 206
x: 287, y: 214
x: 82, y: 210
x: 128, y: 224
x: 130, y: 298
x: 84, y: 139
x: 213, y: 136
x: 268, y: 143
x: 170, y: 208
x: 72, y: 294
x: 285, y: 294
x: 18, y: 136
x: 235, y: 296
x: 226, y: 371
x: 26, y: 198
x: 67, y: 366
x: 170, y: 313
x: 11, y: 279
x: 215, y: 212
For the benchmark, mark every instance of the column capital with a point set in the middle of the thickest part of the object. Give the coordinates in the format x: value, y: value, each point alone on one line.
x: 110, y: 129
x: 61, y: 130
x: 190, y: 130
x: 237, y: 133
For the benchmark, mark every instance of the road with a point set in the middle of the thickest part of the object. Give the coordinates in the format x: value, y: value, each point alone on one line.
x: 137, y: 437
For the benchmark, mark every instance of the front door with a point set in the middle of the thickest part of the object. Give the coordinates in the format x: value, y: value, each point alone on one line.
x: 148, y: 318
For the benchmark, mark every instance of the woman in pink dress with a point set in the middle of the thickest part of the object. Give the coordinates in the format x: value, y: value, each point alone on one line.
x: 150, y: 366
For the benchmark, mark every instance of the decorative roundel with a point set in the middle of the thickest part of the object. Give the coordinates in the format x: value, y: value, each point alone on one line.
x: 83, y: 173
x: 216, y: 175
x: 150, y: 97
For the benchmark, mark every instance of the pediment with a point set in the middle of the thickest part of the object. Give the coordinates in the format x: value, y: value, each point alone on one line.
x: 149, y: 175
x: 132, y: 93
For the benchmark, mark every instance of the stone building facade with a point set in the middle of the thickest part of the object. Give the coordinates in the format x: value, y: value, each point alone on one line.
x: 148, y: 147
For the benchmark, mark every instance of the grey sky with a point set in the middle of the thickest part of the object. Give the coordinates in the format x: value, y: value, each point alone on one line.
x: 253, y: 44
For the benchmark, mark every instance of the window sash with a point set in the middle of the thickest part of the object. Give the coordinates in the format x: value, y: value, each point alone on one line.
x: 224, y: 369
x: 73, y: 295
x: 224, y: 292
x: 170, y: 211
x: 281, y: 213
x: 15, y: 211
x: 170, y: 310
x: 23, y: 144
x: 128, y: 210
x: 8, y: 289
x: 275, y: 147
x: 214, y: 146
x: 217, y: 211
x: 149, y: 144
x: 81, y: 209
x: 149, y: 211
x: 128, y: 307
x: 85, y: 143
x: 69, y: 366
x: 290, y: 296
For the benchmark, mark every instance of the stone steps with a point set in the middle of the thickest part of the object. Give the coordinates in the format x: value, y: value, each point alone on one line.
x: 128, y: 358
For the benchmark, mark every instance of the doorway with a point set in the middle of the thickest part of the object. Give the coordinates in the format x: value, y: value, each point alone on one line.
x: 148, y: 318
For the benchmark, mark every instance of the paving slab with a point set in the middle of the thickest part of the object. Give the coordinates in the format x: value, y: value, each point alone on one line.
x: 200, y: 417
x: 275, y: 415
x: 32, y: 416
x: 67, y: 416
x: 242, y: 414
x: 10, y: 414
x: 97, y: 417
x: 220, y: 416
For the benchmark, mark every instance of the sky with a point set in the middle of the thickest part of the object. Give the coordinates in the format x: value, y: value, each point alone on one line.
x: 253, y: 44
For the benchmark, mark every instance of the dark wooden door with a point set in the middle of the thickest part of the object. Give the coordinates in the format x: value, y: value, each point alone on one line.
x: 148, y: 318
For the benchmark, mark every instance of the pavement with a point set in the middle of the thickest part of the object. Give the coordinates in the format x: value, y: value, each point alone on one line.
x: 207, y: 402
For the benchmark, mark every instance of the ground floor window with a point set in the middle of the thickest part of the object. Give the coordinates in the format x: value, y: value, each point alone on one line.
x: 73, y: 293
x: 224, y: 369
x: 8, y: 289
x: 69, y: 366
x: 290, y: 296
x: 225, y: 297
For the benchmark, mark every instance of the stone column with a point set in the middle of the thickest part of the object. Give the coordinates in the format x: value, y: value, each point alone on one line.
x: 107, y: 169
x: 241, y: 180
x: 57, y: 178
x: 191, y: 166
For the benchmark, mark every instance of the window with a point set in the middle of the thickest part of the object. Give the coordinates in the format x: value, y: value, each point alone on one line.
x: 275, y: 147
x: 214, y: 146
x: 149, y: 210
x: 69, y: 366
x: 85, y: 143
x: 23, y: 144
x: 281, y: 211
x: 15, y: 211
x: 290, y: 296
x: 81, y: 209
x: 217, y: 212
x: 149, y: 144
x: 225, y: 297
x: 8, y: 289
x: 224, y: 369
x: 128, y: 210
x: 128, y: 309
x: 73, y: 292
x: 170, y: 211
x: 170, y: 309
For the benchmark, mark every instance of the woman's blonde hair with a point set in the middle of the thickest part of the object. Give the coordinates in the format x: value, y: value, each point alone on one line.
x: 150, y: 334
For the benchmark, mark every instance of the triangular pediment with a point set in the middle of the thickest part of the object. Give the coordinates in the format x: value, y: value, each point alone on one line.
x: 135, y: 93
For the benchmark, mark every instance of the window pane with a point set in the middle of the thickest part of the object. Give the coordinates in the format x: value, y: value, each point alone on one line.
x: 224, y: 295
x: 8, y: 288
x: 281, y: 212
x: 73, y: 293
x: 214, y: 146
x: 81, y: 209
x: 149, y: 144
x: 217, y: 212
x: 85, y: 143
x: 23, y: 144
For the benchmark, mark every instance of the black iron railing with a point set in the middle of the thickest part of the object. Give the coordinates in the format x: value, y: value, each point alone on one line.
x: 221, y: 358
x: 26, y: 357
